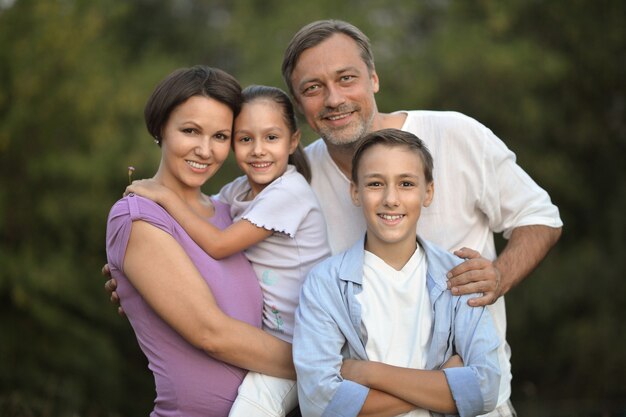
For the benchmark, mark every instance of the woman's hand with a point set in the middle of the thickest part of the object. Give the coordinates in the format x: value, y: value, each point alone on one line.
x: 148, y: 188
x: 110, y: 286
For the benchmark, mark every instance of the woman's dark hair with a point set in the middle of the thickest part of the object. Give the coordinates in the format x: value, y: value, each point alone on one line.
x: 393, y: 137
x: 278, y: 96
x: 184, y: 83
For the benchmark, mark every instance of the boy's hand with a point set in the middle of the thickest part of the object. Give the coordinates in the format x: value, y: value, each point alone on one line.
x: 148, y: 188
x: 110, y: 286
x: 354, y: 370
x: 455, y: 361
x: 475, y: 275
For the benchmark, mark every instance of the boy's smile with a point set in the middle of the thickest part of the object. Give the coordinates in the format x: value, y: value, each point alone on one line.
x: 391, y: 190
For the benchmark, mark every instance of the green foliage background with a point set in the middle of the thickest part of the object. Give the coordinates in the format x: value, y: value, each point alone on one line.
x: 547, y: 77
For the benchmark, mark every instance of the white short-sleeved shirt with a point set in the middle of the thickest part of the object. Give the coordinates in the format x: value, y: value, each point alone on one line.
x: 396, y: 313
x: 290, y: 209
x: 479, y: 190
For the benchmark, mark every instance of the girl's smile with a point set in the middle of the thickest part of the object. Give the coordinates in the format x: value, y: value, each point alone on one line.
x: 263, y: 143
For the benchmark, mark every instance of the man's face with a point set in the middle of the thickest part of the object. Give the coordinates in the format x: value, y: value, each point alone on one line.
x: 335, y: 91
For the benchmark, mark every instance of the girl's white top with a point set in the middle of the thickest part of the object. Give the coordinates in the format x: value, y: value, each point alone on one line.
x: 290, y: 209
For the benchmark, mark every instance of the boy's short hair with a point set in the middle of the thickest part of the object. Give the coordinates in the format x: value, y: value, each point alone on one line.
x: 393, y: 137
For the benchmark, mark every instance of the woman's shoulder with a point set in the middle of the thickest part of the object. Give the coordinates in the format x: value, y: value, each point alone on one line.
x: 134, y: 208
x: 121, y: 217
x: 137, y: 207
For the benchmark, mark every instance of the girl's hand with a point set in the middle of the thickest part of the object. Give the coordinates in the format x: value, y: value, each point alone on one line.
x: 148, y: 188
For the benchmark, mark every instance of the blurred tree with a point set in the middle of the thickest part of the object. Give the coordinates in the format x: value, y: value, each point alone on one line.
x: 66, y: 116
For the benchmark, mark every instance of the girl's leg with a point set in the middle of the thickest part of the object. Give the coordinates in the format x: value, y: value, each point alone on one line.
x: 265, y: 396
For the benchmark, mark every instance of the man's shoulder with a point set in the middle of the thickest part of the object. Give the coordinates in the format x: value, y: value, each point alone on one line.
x: 315, y: 148
x: 440, y: 116
x: 449, y: 128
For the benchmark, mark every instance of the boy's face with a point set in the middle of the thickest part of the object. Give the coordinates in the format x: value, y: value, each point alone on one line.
x: 391, y: 190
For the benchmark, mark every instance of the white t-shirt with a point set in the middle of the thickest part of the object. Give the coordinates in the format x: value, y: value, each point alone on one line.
x: 479, y: 191
x: 290, y: 209
x: 396, y: 313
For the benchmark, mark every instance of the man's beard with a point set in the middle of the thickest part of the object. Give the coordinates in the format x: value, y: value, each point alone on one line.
x: 348, y: 135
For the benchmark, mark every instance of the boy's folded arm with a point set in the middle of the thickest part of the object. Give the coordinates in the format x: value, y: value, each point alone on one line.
x: 382, y: 404
x: 475, y: 386
x: 319, y: 336
x: 467, y: 390
x: 413, y: 388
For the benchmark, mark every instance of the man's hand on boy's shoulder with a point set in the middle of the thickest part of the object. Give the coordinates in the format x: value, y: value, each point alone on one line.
x: 475, y: 275
x: 110, y: 286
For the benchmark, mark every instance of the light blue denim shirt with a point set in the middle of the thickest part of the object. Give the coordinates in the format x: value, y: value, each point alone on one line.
x: 328, y: 329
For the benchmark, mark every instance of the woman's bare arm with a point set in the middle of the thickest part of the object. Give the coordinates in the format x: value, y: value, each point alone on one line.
x: 162, y: 272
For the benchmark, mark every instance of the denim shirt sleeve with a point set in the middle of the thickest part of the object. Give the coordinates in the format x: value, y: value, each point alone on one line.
x: 474, y: 386
x: 322, y: 329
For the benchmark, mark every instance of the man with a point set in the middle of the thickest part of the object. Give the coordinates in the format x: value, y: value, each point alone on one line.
x: 329, y: 70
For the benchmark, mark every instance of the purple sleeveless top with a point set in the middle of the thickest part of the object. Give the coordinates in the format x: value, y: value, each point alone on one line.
x: 188, y: 381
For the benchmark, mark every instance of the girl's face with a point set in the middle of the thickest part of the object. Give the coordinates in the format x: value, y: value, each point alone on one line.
x: 196, y: 141
x: 263, y: 142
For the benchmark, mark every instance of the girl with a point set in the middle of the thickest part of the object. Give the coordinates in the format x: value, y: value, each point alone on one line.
x: 277, y: 221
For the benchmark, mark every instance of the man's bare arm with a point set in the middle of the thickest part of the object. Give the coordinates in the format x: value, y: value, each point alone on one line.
x: 526, y: 248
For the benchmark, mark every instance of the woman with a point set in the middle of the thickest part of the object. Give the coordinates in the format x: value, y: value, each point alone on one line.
x: 196, y: 319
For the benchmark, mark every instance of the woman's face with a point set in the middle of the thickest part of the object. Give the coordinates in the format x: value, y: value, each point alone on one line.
x: 196, y: 141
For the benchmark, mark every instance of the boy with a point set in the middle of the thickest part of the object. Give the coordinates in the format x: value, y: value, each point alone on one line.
x: 384, y: 306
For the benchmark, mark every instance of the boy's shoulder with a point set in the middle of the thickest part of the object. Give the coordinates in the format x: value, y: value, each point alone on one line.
x: 344, y: 266
x: 332, y: 265
x: 439, y: 261
x: 438, y: 254
x: 351, y: 260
